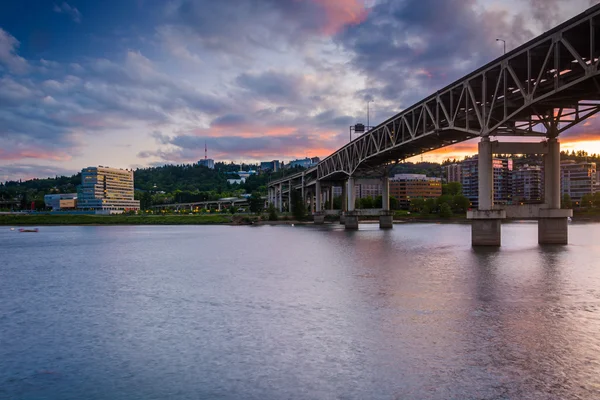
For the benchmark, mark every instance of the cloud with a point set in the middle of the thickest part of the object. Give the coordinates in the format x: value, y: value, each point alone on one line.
x: 65, y: 8
x: 263, y: 23
x: 8, y: 55
x: 29, y: 171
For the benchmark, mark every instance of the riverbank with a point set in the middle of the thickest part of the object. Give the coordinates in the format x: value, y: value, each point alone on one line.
x: 18, y: 220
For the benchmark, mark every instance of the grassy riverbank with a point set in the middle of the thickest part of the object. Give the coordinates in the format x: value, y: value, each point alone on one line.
x: 17, y: 220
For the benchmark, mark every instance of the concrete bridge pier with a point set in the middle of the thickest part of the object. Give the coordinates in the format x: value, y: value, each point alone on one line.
x: 486, y: 222
x: 290, y: 188
x: 553, y: 222
x: 280, y: 198
x: 386, y: 218
x: 351, y: 216
x: 318, y: 215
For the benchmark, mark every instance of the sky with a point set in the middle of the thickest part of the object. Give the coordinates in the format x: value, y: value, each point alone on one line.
x: 135, y: 83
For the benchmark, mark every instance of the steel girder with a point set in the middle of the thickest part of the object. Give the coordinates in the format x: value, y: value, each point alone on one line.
x: 549, y: 83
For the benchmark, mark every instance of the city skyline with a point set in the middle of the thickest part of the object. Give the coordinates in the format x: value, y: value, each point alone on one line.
x: 149, y: 83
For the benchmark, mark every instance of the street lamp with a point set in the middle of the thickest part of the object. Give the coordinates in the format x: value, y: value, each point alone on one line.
x: 503, y: 42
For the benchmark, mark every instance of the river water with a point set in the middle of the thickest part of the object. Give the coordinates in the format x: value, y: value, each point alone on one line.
x: 283, y: 312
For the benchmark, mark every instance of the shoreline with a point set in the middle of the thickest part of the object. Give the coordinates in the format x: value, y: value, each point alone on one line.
x: 230, y: 220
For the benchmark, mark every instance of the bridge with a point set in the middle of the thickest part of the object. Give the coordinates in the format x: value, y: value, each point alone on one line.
x: 540, y: 89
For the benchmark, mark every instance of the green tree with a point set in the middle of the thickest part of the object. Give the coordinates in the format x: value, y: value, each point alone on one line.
x: 425, y: 210
x: 255, y: 203
x: 587, y: 200
x: 431, y: 204
x: 394, y: 204
x: 416, y: 205
x: 596, y: 200
x: 298, y: 206
x: 452, y: 188
x: 460, y: 204
x: 272, y: 213
x: 445, y: 210
x: 566, y: 201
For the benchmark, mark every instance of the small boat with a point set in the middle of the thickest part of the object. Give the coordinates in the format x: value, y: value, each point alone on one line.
x: 28, y: 230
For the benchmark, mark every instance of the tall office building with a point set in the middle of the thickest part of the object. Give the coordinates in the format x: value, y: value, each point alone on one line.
x: 404, y: 187
x: 577, y: 179
x: 365, y: 187
x: 502, y: 180
x: 208, y: 163
x: 272, y: 166
x: 106, y: 190
x: 528, y: 184
x: 453, y: 173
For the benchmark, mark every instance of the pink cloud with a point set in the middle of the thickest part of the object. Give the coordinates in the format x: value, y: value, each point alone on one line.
x: 340, y: 13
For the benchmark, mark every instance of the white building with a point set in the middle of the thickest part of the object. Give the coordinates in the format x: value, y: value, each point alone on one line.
x: 208, y: 163
x: 53, y: 200
x: 106, y: 190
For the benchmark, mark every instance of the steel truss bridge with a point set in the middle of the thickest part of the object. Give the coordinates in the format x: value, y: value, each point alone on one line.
x: 541, y: 88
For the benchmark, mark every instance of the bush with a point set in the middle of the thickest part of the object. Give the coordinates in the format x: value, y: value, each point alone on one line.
x: 272, y: 213
x: 445, y: 211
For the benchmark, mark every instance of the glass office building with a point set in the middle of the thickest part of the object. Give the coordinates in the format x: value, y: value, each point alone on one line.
x: 106, y: 190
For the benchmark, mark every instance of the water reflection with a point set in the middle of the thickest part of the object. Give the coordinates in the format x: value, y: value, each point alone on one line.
x: 298, y: 312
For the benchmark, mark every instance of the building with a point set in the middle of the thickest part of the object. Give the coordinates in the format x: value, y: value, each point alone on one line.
x: 502, y: 180
x: 236, y: 181
x: 404, y: 187
x: 60, y: 201
x: 364, y: 188
x: 577, y: 179
x: 272, y: 166
x: 304, y: 162
x: 106, y: 190
x: 528, y: 184
x: 208, y: 163
x: 453, y: 173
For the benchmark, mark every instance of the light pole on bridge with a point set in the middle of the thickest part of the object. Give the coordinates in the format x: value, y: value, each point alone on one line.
x: 503, y: 43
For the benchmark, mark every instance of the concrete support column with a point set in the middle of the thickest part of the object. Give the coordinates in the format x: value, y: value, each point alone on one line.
x: 350, y: 193
x: 385, y: 193
x: 486, y: 175
x: 318, y: 196
x: 351, y: 217
x: 386, y: 219
x: 553, y: 222
x: 280, y: 199
x: 331, y: 197
x: 318, y: 215
x: 344, y: 196
x: 486, y: 222
x: 290, y: 186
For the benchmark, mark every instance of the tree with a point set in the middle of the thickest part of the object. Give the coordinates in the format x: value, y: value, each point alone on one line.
x: 272, y: 213
x: 416, y: 205
x: 460, y: 204
x: 596, y: 199
x: 255, y: 203
x: 587, y: 200
x: 394, y: 204
x: 431, y: 204
x: 298, y: 206
x: 566, y: 201
x: 445, y: 210
x: 452, y: 188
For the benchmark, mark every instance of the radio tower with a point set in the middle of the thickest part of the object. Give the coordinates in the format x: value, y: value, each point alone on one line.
x: 205, y: 151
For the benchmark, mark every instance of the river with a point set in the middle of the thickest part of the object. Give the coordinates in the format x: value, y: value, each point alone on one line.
x: 297, y: 312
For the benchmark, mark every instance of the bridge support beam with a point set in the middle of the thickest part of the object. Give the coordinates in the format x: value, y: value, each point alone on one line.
x: 553, y: 222
x: 486, y: 222
x: 351, y: 216
x: 386, y: 219
x: 290, y: 188
x: 280, y: 198
x: 318, y: 215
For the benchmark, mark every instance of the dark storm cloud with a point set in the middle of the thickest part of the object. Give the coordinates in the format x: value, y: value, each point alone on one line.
x: 262, y: 23
x: 410, y: 48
